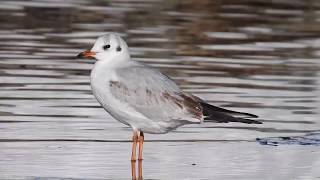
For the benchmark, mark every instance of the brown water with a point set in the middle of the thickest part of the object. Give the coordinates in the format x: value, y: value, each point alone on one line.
x: 257, y: 56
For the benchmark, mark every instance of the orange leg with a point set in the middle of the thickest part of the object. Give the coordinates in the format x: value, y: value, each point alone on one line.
x: 141, y: 140
x: 134, y: 145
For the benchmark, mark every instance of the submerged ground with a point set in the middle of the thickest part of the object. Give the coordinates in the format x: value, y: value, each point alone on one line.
x: 253, y: 56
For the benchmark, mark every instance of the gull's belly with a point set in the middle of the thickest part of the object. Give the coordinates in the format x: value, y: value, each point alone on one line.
x: 123, y: 112
x: 127, y: 115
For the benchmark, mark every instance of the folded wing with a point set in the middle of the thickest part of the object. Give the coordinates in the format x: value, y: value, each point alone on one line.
x: 154, y: 95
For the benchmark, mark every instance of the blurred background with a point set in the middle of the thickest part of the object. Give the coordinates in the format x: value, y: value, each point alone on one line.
x: 258, y: 56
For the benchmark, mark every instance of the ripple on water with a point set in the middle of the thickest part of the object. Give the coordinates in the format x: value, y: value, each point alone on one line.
x: 260, y: 58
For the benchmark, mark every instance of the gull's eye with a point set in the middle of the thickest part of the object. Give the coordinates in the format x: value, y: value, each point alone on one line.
x: 105, y: 47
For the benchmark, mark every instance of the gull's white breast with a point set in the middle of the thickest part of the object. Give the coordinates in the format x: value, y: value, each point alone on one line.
x: 101, y: 75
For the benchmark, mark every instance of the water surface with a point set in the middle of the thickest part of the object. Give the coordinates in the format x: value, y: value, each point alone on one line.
x: 254, y: 56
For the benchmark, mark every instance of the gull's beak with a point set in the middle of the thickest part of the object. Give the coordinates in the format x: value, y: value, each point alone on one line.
x: 86, y: 54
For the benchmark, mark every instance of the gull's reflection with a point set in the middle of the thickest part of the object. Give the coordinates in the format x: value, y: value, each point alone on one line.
x: 134, y: 170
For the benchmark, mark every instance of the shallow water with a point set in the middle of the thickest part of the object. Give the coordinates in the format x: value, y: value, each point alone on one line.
x: 253, y: 56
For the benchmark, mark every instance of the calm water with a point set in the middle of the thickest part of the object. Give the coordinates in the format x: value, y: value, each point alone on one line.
x: 253, y: 56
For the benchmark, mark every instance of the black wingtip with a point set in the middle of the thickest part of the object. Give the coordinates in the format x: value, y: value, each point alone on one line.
x: 249, y: 114
x: 224, y: 118
x: 220, y: 115
x: 212, y: 108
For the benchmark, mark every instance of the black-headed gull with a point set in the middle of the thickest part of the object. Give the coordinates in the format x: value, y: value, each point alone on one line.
x: 144, y: 98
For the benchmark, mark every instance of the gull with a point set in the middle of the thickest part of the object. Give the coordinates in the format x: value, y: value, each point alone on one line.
x: 145, y: 99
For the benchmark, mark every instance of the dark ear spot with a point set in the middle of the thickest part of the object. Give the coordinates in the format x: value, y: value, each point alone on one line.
x: 118, y: 48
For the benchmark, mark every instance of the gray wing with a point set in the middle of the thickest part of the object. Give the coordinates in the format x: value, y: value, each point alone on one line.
x: 154, y: 95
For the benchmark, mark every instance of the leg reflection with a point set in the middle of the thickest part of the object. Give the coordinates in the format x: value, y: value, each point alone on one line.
x: 140, y: 170
x: 133, y: 170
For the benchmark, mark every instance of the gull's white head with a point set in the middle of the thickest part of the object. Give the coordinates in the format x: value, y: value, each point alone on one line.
x: 107, y: 47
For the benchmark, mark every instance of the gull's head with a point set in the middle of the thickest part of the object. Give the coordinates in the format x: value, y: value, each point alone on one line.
x: 107, y: 47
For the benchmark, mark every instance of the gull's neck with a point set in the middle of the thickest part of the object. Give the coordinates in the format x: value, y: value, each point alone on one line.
x: 104, y: 69
x: 113, y: 61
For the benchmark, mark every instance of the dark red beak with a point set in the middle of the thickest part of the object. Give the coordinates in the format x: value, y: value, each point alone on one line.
x: 86, y: 54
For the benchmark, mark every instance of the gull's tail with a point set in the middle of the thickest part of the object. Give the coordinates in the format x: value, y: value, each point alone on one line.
x: 220, y: 115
